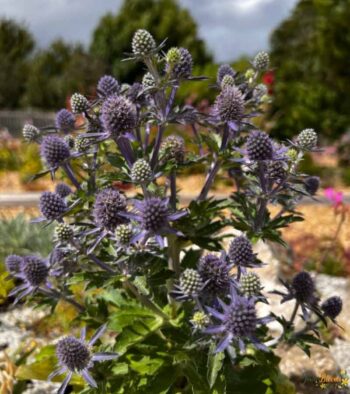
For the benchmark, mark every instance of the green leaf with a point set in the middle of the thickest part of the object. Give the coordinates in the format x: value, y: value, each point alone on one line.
x: 146, y: 365
x: 215, y: 362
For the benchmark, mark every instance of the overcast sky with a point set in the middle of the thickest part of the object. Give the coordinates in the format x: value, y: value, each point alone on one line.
x: 230, y: 27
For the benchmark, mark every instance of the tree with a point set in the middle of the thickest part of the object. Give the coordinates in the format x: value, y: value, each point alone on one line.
x: 59, y: 71
x: 16, y: 45
x: 162, y: 18
x: 310, y: 51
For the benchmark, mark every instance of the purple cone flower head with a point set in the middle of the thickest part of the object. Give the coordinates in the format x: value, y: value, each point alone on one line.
x: 52, y: 205
x: 183, y: 68
x: 236, y: 323
x: 118, y: 116
x: 33, y: 272
x: 107, y: 86
x: 108, y: 205
x: 65, y: 121
x: 75, y: 356
x: 63, y: 190
x: 54, y: 151
x: 229, y: 105
x: 154, y: 216
x: 13, y: 263
x: 189, y: 286
x: 215, y: 273
x: 224, y: 69
x: 259, y: 146
x: 332, y: 307
x: 241, y: 254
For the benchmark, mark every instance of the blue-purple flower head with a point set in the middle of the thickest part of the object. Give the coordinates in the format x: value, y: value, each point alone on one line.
x: 154, y: 216
x: 215, y: 273
x: 33, y: 272
x: 108, y: 205
x: 118, y: 115
x: 63, y: 190
x: 312, y: 184
x: 182, y: 69
x: 241, y: 254
x: 236, y: 323
x: 65, y: 121
x: 224, y: 69
x: 332, y: 307
x: 229, y: 105
x: 52, y: 205
x: 75, y: 356
x: 259, y: 146
x: 107, y: 86
x: 54, y: 151
x: 13, y: 263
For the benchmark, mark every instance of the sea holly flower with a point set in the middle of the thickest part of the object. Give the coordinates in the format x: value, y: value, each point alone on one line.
x: 63, y: 190
x: 75, y: 356
x: 261, y: 61
x: 307, y: 139
x: 153, y: 215
x: 107, y: 86
x: 34, y: 272
x: 65, y: 121
x: 229, y: 105
x: 54, y: 151
x: 52, y: 206
x: 236, y: 323
x: 223, y: 71
x: 182, y: 69
x: 143, y: 43
x: 64, y: 232
x: 190, y: 285
x: 332, y: 307
x: 79, y: 103
x: 13, y: 263
x: 312, y: 184
x: 30, y: 133
x: 241, y: 254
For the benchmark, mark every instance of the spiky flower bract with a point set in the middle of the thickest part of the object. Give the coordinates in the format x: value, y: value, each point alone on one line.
x: 13, y: 263
x: 215, y: 273
x: 52, y: 205
x: 109, y: 203
x: 307, y: 139
x: 107, y: 86
x: 332, y: 307
x: 237, y: 323
x: 63, y: 190
x: 224, y: 69
x: 183, y: 68
x: 142, y: 43
x: 259, y: 146
x: 312, y: 184
x: 141, y: 171
x: 261, y: 61
x: 118, y: 115
x: 230, y: 104
x: 79, y: 103
x: 172, y: 148
x: 65, y: 121
x: 54, y: 150
x: 30, y: 133
x: 75, y: 356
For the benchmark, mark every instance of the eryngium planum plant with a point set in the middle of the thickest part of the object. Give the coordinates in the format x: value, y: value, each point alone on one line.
x: 182, y: 308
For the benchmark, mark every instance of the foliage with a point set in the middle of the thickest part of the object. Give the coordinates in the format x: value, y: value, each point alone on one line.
x: 310, y: 51
x: 16, y: 45
x: 163, y: 18
x: 158, y: 272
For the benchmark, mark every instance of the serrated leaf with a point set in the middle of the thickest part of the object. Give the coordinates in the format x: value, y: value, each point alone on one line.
x: 215, y: 362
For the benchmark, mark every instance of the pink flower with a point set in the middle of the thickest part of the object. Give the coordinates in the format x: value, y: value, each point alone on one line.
x: 335, y: 197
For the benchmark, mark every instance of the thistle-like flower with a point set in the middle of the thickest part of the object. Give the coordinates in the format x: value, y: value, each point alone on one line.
x: 143, y: 43
x: 63, y: 190
x: 148, y: 81
x: 261, y: 61
x: 118, y: 115
x: 109, y: 203
x: 183, y: 68
x: 200, y: 320
x: 173, y: 56
x: 52, y: 206
x: 30, y: 133
x: 307, y: 139
x: 124, y: 234
x: 75, y: 356
x: 107, y: 86
x: 229, y: 104
x: 141, y: 171
x: 172, y: 148
x: 13, y: 263
x: 54, y: 151
x: 241, y: 254
x: 215, y: 273
x: 79, y: 103
x: 237, y: 323
x: 312, y: 184
x: 259, y: 146
x: 224, y: 69
x: 250, y: 285
x: 227, y: 81
x: 82, y: 144
x: 154, y: 215
x: 189, y: 286
x: 332, y: 307
x: 276, y: 170
x: 64, y: 232
x: 65, y: 121
x: 34, y: 273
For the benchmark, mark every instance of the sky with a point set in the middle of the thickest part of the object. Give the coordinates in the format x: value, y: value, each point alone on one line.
x: 231, y: 28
